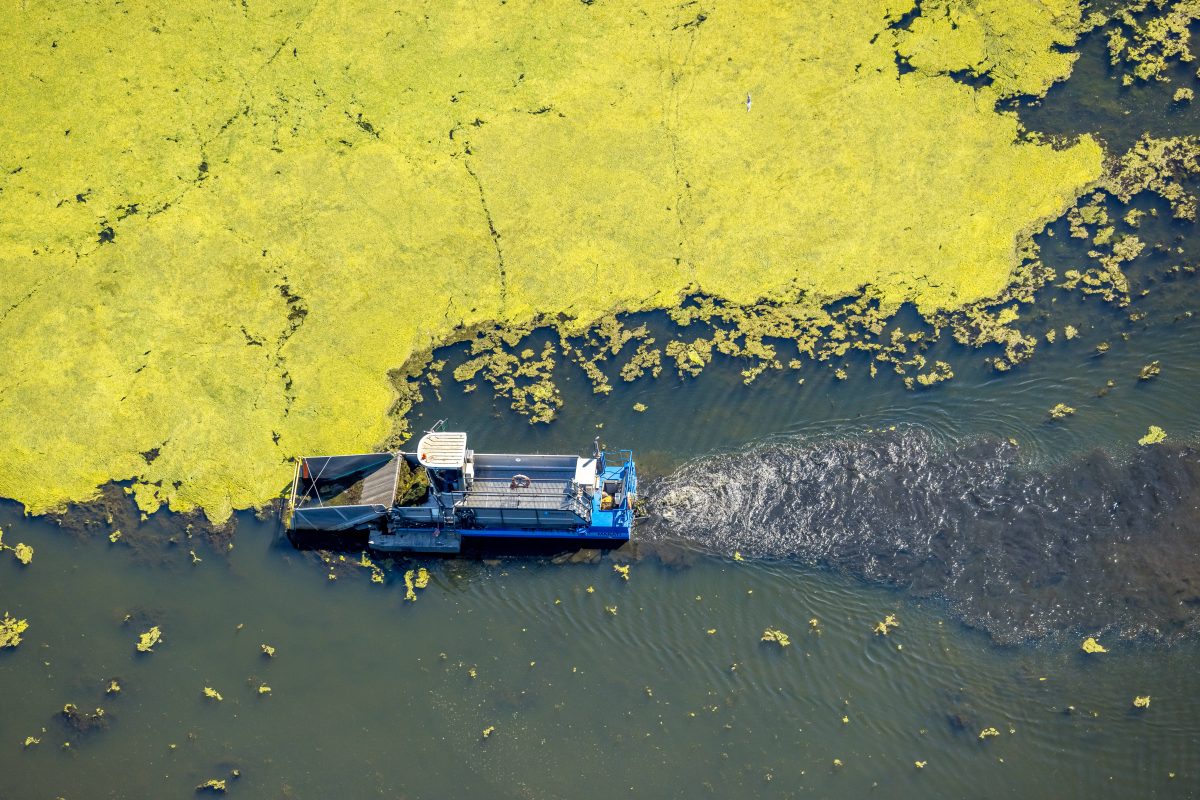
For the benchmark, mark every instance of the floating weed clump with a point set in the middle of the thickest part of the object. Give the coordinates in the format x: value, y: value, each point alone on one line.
x: 212, y: 694
x: 11, y: 630
x: 22, y: 552
x: 213, y: 785
x: 1153, y: 436
x: 1141, y: 701
x: 1091, y: 646
x: 114, y: 687
x: 941, y: 372
x: 376, y: 571
x: 1151, y: 370
x: 776, y: 636
x: 1061, y: 411
x: 149, y: 639
x: 622, y: 570
x: 268, y: 651
x: 413, y: 580
x: 988, y: 733
x: 1148, y: 43
x: 889, y: 622
x: 264, y: 689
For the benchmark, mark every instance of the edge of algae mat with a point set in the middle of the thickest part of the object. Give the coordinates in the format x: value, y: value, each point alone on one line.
x: 220, y: 232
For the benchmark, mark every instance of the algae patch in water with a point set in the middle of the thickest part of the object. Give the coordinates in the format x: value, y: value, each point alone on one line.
x: 221, y: 233
x: 147, y: 641
x: 413, y: 580
x: 777, y: 636
x: 1153, y: 436
x: 1148, y: 35
x: 11, y: 630
x: 1061, y: 411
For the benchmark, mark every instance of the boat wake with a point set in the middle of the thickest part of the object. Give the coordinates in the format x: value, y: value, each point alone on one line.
x: 1094, y: 545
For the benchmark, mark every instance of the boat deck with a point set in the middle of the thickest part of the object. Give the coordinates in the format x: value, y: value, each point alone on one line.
x: 548, y: 491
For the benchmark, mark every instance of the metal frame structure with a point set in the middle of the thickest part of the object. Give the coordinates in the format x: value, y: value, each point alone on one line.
x: 481, y: 495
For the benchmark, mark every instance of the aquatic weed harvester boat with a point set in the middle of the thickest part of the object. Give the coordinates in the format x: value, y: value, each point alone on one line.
x: 431, y: 500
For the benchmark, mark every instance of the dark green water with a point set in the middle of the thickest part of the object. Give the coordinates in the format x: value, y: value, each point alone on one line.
x: 373, y: 696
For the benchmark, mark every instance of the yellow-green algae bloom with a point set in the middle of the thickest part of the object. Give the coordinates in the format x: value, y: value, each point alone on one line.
x: 147, y: 640
x: 1061, y: 411
x: 23, y: 553
x: 220, y: 231
x: 413, y: 580
x: 11, y: 629
x: 777, y: 636
x: 1153, y: 436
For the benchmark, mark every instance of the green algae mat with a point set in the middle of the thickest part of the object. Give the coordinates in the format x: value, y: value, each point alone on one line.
x: 225, y: 229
